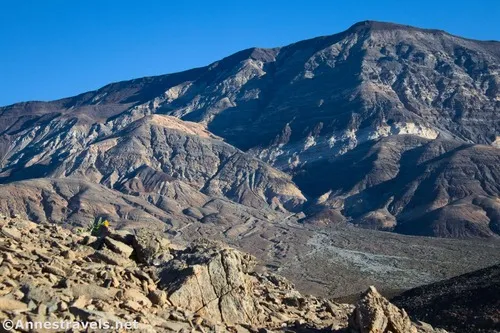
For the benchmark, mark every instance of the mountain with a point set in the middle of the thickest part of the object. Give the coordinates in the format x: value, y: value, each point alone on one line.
x: 411, y: 185
x: 463, y: 304
x: 383, y: 125
x: 157, y: 157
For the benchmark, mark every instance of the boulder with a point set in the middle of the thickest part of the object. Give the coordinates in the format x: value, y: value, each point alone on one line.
x: 8, y: 304
x: 137, y: 296
x: 118, y: 247
x: 150, y: 247
x: 54, y: 270
x: 212, y: 280
x: 109, y: 257
x: 38, y: 293
x: 158, y: 297
x: 375, y: 314
x: 124, y: 236
x: 12, y: 233
x: 93, y: 291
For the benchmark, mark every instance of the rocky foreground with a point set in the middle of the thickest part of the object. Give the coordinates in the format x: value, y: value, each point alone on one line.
x: 48, y: 273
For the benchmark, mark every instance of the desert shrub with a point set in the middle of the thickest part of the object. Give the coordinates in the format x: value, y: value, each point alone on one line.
x: 96, y: 227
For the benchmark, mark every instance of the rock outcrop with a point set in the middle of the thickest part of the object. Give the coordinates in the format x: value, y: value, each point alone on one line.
x: 48, y: 273
x: 375, y: 314
x: 213, y: 281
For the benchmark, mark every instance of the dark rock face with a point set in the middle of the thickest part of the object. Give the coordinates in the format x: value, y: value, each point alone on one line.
x: 379, y: 108
x: 467, y: 303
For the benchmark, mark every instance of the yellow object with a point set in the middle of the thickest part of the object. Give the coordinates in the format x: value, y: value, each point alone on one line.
x: 105, y: 223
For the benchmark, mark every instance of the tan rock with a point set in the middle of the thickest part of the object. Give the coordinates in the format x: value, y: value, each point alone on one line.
x: 80, y: 302
x: 54, y: 270
x: 375, y: 314
x: 42, y: 309
x: 12, y: 233
x: 136, y: 295
x: 109, y: 257
x: 4, y: 271
x: 68, y: 254
x: 118, y: 247
x: 211, y: 280
x: 93, y: 291
x: 63, y: 306
x: 10, y: 259
x: 26, y: 225
x: 158, y: 297
x: 132, y: 305
x: 150, y: 246
x: 39, y: 293
x: 9, y: 304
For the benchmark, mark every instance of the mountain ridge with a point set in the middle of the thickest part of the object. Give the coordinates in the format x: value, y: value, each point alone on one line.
x: 370, y: 24
x: 301, y: 109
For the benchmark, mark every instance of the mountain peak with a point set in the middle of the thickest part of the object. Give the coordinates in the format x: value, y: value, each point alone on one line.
x: 380, y: 25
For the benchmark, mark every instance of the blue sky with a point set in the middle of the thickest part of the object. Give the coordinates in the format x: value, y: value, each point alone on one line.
x: 57, y: 48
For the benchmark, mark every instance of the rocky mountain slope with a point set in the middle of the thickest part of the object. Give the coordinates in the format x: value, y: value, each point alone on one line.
x: 405, y: 96
x: 411, y: 185
x: 170, y: 150
x: 49, y: 274
x: 467, y: 303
